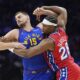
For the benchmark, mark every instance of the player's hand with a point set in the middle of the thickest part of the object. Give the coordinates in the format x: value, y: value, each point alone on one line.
x: 36, y: 13
x: 39, y: 12
x: 18, y: 45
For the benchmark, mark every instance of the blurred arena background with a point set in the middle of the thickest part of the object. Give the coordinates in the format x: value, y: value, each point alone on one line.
x: 10, y: 64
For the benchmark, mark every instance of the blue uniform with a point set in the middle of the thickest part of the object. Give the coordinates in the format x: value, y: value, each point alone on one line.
x: 34, y: 68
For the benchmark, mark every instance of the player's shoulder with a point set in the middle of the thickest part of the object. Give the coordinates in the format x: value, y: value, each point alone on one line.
x: 37, y: 29
x: 40, y: 26
x: 15, y: 30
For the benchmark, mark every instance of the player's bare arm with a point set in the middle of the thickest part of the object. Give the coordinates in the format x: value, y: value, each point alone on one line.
x: 46, y: 44
x: 4, y: 46
x: 41, y: 11
x: 10, y: 36
x: 62, y: 14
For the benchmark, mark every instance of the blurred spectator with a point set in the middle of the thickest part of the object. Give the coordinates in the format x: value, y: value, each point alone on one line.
x: 10, y: 67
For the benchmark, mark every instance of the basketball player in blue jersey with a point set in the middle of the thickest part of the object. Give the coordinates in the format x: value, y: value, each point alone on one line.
x: 34, y: 68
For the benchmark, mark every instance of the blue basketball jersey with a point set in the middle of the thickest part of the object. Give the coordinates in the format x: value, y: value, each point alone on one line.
x: 30, y: 39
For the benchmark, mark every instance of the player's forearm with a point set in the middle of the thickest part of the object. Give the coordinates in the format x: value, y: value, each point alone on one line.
x: 33, y: 51
x: 4, y: 46
x: 28, y: 53
x: 56, y: 9
x: 48, y: 12
x: 21, y: 52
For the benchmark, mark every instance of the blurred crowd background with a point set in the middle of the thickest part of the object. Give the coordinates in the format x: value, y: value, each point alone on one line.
x: 10, y: 64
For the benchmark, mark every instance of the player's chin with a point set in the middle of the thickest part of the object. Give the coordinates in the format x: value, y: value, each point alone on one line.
x: 20, y: 25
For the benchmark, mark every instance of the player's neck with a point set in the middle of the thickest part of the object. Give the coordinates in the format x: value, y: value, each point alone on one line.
x: 28, y: 27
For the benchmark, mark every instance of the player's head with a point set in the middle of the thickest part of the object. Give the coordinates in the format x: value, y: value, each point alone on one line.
x: 49, y: 24
x: 22, y: 18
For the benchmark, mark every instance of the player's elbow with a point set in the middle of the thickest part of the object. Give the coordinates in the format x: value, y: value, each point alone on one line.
x: 62, y: 10
x: 65, y: 11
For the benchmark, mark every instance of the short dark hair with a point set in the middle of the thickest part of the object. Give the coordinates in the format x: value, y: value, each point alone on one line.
x: 23, y: 12
x: 52, y: 19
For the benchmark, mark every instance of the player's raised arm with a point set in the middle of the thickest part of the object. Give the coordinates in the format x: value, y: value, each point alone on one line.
x: 46, y: 44
x: 41, y: 11
x: 62, y: 14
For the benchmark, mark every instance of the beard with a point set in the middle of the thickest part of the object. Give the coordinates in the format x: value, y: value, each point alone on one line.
x: 21, y: 25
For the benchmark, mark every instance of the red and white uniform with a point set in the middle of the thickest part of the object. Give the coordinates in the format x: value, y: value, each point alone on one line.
x: 60, y: 59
